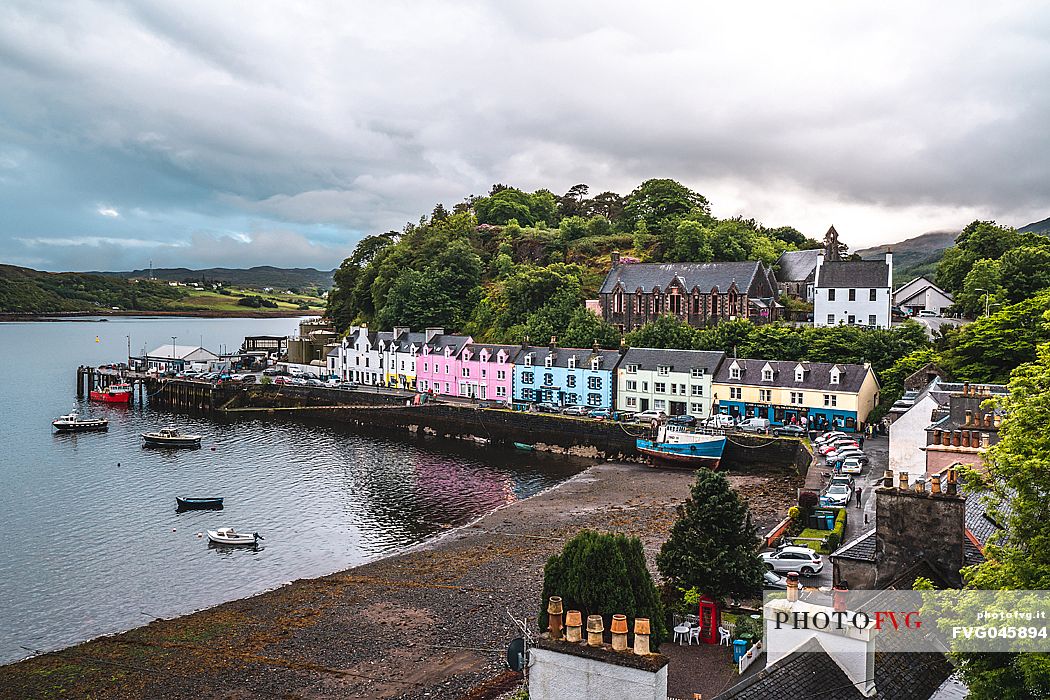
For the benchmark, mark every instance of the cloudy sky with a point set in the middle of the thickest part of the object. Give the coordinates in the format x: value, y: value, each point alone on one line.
x: 243, y: 133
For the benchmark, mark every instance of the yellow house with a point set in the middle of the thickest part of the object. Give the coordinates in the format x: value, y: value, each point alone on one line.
x: 824, y: 394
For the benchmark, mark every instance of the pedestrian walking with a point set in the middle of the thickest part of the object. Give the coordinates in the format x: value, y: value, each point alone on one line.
x: 857, y: 493
x: 860, y: 441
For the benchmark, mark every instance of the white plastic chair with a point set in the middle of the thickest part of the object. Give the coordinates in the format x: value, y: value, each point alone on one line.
x: 694, y: 634
x: 723, y: 636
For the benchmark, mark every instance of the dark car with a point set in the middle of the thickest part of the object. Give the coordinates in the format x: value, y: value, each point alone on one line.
x: 774, y: 581
x: 789, y: 430
x: 682, y: 420
x: 544, y: 407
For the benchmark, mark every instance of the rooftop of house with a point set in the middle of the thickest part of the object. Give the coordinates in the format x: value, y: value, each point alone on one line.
x: 701, y: 276
x: 678, y: 360
x: 816, y: 375
x: 476, y: 349
x: 842, y: 274
x: 607, y: 358
x: 439, y: 343
x: 797, y: 265
x: 178, y: 352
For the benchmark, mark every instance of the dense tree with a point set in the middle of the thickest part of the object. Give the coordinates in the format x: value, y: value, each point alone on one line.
x: 692, y: 243
x: 659, y: 201
x: 713, y: 545
x: 1025, y: 271
x: 607, y: 204
x: 503, y: 205
x: 979, y: 240
x: 981, y: 289
x: 573, y: 227
x: 604, y: 574
x: 598, y: 225
x: 664, y: 332
x: 572, y: 202
x: 586, y: 328
x: 990, y: 347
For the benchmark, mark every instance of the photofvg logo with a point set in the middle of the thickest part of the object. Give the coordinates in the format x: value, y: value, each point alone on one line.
x: 910, y: 621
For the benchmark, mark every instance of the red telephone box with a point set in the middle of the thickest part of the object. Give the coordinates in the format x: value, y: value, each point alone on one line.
x: 710, y: 619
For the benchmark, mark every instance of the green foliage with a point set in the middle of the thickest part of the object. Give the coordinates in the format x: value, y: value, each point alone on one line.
x: 713, y: 544
x: 1024, y: 271
x: 892, y: 379
x: 746, y: 628
x: 28, y: 291
x: 512, y: 204
x: 979, y: 240
x: 982, y: 287
x: 254, y: 302
x: 658, y: 202
x: 604, y: 574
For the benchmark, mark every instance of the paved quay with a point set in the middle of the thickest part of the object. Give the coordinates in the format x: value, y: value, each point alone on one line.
x: 431, y: 622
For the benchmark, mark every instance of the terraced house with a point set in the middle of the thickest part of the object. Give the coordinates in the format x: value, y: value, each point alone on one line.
x: 676, y: 382
x: 564, y: 376
x: 438, y: 364
x: 701, y: 294
x: 358, y: 357
x: 826, y: 395
x: 399, y: 355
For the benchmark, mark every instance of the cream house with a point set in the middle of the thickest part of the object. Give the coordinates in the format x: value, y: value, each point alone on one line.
x: 676, y: 382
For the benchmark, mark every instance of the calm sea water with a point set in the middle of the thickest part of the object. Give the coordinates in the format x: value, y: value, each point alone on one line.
x: 90, y: 542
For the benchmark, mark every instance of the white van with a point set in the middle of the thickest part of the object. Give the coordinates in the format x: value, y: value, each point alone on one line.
x: 719, y: 420
x: 928, y: 313
x: 754, y: 425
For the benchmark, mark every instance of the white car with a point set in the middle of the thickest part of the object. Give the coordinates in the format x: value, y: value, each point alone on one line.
x: 837, y: 495
x: 853, y: 453
x: 828, y: 437
x: 719, y: 420
x: 651, y: 415
x: 852, y: 465
x: 801, y: 560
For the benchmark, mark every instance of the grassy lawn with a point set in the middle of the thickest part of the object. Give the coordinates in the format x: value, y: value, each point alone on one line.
x: 200, y: 299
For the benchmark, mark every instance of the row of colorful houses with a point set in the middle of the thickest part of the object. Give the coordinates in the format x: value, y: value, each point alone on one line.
x: 676, y: 382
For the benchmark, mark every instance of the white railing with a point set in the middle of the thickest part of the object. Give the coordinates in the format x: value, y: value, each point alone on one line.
x: 749, y: 658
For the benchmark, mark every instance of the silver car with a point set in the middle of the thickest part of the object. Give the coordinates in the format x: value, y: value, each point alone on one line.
x: 801, y: 560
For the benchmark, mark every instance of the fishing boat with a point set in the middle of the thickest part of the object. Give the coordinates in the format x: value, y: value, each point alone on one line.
x: 227, y: 535
x: 481, y: 440
x: 678, y: 446
x: 170, y: 437
x: 115, y: 393
x: 190, y: 503
x: 73, y: 423
x: 524, y: 447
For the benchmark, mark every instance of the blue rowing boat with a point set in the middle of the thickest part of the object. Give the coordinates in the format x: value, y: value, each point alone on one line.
x: 198, y: 503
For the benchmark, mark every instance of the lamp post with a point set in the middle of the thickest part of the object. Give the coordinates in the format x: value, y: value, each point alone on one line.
x: 986, y: 296
x: 174, y: 352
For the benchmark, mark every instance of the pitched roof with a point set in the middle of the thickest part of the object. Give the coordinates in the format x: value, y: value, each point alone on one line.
x: 817, y: 374
x: 679, y: 360
x: 441, y: 341
x: 583, y: 357
x: 900, y: 299
x: 703, y: 276
x: 861, y: 548
x: 181, y: 352
x: 476, y: 348
x: 797, y: 265
x: 984, y: 519
x: 854, y: 273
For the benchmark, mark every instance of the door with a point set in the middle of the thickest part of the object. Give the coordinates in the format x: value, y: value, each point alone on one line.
x: 643, y: 404
x: 677, y: 408
x: 482, y: 394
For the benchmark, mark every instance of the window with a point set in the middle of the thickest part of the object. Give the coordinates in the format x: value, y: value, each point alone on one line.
x: 872, y: 321
x: 527, y: 377
x: 596, y: 364
x: 659, y: 387
x: 697, y: 372
x: 663, y: 370
x: 572, y: 362
x: 765, y: 395
x: 830, y: 400
x: 423, y: 385
x: 573, y: 399
x: 831, y: 295
x: 674, y: 388
x: 484, y: 373
x: 448, y: 369
x: 698, y: 390
x: 697, y: 409
x: 548, y: 379
x: 631, y: 385
x: 834, y: 377
x: 853, y: 295
x: 594, y: 399
x: 767, y: 375
x: 594, y: 382
x: 800, y: 375
x: 873, y: 295
x: 426, y: 366
x: 570, y: 380
x: 659, y: 404
x: 548, y: 361
x: 501, y: 391
x: 501, y: 374
x: 831, y: 319
x: 528, y: 394
x: 528, y: 360
x: 852, y: 319
x: 796, y: 398
x: 681, y: 389
x: 734, y: 373
x: 632, y: 369
x: 402, y: 364
x: 735, y: 392
x: 645, y: 386
x: 632, y: 402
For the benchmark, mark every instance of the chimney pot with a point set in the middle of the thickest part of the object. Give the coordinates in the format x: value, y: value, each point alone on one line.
x: 966, y: 388
x: 554, y: 613
x: 986, y: 440
x: 902, y: 481
x: 935, y: 483
x: 792, y: 586
x: 966, y: 438
x: 936, y: 437
x: 998, y: 420
x: 887, y: 479
x: 619, y: 632
x: 839, y: 598
x: 956, y: 441
x: 988, y: 420
x: 641, y: 636
x: 920, y: 486
x: 573, y: 626
x: 595, y: 627
x: 969, y: 417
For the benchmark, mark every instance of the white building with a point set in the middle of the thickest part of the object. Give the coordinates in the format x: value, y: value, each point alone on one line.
x: 676, y: 382
x: 922, y: 295
x: 359, y: 358
x: 853, y: 292
x: 179, y: 358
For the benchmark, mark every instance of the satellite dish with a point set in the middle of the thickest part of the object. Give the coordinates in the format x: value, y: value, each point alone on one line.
x: 516, y: 654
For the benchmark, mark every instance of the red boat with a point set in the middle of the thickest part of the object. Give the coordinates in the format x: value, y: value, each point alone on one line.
x: 117, y: 393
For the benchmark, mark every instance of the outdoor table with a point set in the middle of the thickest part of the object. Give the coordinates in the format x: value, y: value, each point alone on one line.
x: 681, y: 633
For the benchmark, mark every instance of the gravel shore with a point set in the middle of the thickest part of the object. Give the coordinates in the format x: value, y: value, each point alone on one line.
x: 428, y: 623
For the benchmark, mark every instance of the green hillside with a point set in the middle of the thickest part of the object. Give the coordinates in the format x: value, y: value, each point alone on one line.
x: 23, y: 290
x: 259, y: 277
x: 914, y: 257
x: 1037, y: 227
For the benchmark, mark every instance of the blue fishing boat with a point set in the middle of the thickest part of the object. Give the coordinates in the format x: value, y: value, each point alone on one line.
x: 524, y: 447
x: 681, y: 447
x: 198, y: 503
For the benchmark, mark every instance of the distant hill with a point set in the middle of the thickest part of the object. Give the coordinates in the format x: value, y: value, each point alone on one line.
x: 1037, y: 227
x: 23, y: 290
x: 253, y: 277
x: 914, y: 257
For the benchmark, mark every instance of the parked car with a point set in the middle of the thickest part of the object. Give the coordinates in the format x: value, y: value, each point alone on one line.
x: 575, y: 411
x: 282, y: 380
x: 720, y: 420
x: 927, y: 313
x: 835, y: 453
x: 347, y: 385
x: 829, y: 436
x: 600, y: 413
x: 683, y: 419
x: 249, y: 379
x: 754, y: 425
x: 789, y: 430
x: 650, y: 415
x: 544, y: 407
x: 837, y: 495
x: 852, y: 465
x: 298, y: 381
x: 774, y: 581
x: 314, y: 382
x: 271, y: 372
x: 802, y: 560
x: 853, y: 452
x: 844, y: 479
x: 834, y: 446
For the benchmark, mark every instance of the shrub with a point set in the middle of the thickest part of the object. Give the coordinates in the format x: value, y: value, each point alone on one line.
x: 794, y: 512
x: 808, y: 500
x: 745, y: 625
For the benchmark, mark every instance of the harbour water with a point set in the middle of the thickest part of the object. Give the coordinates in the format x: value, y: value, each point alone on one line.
x: 90, y: 541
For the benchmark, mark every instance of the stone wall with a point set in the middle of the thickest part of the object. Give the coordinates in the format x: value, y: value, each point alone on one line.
x: 912, y: 527
x: 560, y: 670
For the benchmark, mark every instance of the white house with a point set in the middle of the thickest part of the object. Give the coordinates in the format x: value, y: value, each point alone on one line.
x: 853, y: 292
x: 359, y: 358
x: 922, y: 295
x: 673, y: 381
x: 907, y: 451
x: 179, y: 358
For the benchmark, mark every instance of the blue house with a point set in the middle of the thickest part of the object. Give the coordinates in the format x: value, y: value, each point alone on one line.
x: 565, y: 376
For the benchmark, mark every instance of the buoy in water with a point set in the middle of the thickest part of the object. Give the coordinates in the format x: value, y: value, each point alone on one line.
x: 213, y: 449
x: 200, y: 535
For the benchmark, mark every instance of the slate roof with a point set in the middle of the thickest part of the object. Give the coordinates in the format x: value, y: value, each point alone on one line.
x: 861, y: 548
x: 679, y: 360
x: 818, y: 374
x: 703, y: 276
x: 982, y: 523
x: 476, y: 348
x: 797, y: 265
x: 854, y: 273
x: 407, y: 340
x: 562, y: 355
x: 811, y: 672
x: 441, y: 341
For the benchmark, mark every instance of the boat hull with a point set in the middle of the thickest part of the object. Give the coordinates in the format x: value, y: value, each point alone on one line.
x: 150, y: 441
x: 109, y: 395
x: 198, y: 503
x: 238, y: 540
x: 81, y: 427
x: 524, y: 447
x: 699, y: 454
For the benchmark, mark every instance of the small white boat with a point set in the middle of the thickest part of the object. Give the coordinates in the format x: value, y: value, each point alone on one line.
x: 227, y: 535
x: 170, y: 437
x: 73, y: 423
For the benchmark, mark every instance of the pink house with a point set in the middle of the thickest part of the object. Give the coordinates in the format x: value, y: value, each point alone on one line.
x: 438, y: 366
x: 487, y: 371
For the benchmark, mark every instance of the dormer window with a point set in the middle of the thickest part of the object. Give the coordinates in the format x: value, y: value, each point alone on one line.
x: 548, y: 361
x: 734, y: 371
x: 632, y: 369
x: 663, y: 370
x: 767, y: 375
x: 572, y: 362
x: 835, y: 376
x: 596, y: 363
x: 528, y: 360
x: 697, y: 372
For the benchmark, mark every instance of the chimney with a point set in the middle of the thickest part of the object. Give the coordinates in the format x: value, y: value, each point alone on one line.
x: 615, y: 257
x: 554, y: 342
x: 969, y: 418
x: 902, y: 479
x: 816, y: 271
x: 573, y: 626
x: 966, y: 388
x: 889, y: 271
x: 619, y: 632
x: 986, y: 440
x: 839, y: 598
x: 596, y: 347
x: 554, y: 612
x: 935, y: 484
x: 792, y: 587
x: 920, y: 487
x: 641, y: 636
x: 434, y: 332
x: 887, y: 479
x: 400, y: 331
x: 595, y: 627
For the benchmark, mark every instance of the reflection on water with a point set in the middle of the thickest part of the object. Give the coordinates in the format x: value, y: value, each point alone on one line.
x: 90, y: 539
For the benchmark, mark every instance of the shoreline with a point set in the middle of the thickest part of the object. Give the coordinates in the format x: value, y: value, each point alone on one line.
x: 87, y: 316
x: 429, y: 620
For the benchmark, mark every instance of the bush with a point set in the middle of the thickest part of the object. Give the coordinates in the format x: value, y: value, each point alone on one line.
x: 808, y: 500
x: 745, y: 625
x: 794, y: 512
x: 256, y: 301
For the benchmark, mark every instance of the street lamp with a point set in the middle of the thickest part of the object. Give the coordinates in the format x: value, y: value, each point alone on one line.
x: 174, y: 352
x: 986, y: 295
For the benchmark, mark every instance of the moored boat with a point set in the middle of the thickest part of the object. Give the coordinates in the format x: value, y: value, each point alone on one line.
x: 524, y: 447
x: 116, y: 393
x: 170, y: 437
x: 227, y: 535
x: 73, y: 423
x: 676, y: 446
x: 191, y: 503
